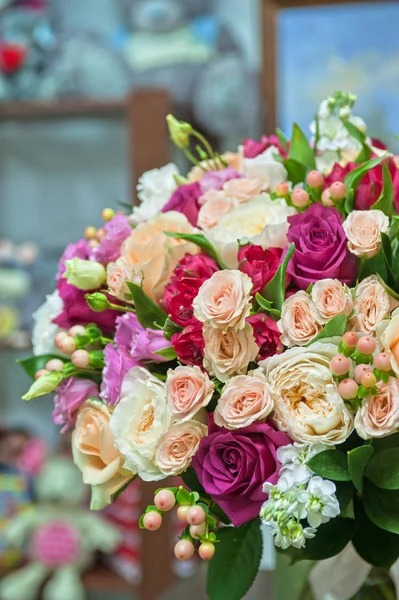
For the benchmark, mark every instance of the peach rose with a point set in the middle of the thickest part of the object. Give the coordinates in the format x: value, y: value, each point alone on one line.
x: 177, y: 447
x: 390, y: 340
x: 232, y: 159
x: 95, y: 455
x: 224, y: 300
x: 215, y: 204
x: 372, y: 305
x: 243, y: 189
x: 379, y: 416
x: 188, y: 389
x: 300, y: 320
x: 228, y: 352
x: 363, y: 229
x: 244, y: 400
x: 331, y: 298
x: 153, y: 255
x: 117, y: 274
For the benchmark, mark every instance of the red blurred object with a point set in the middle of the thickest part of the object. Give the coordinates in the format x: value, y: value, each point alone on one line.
x: 12, y: 57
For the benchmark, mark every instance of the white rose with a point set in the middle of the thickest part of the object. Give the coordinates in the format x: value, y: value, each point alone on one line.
x: 363, y: 229
x: 300, y: 320
x: 178, y: 445
x: 267, y: 168
x: 307, y: 404
x: 372, y: 305
x: 331, y: 298
x: 44, y: 330
x: 154, y: 189
x: 139, y: 420
x: 228, y: 352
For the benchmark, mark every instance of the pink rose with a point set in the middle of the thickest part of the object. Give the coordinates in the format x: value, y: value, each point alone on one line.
x: 188, y: 390
x: 177, y: 447
x: 331, y: 298
x: 300, y: 320
x: 363, y: 230
x: 267, y: 335
x: 69, y: 397
x: 118, y: 273
x: 241, y: 190
x: 259, y: 264
x: 244, y: 400
x: 215, y: 204
x: 228, y: 352
x: 372, y: 305
x: 224, y: 300
x: 379, y: 416
x: 189, y: 344
x: 390, y: 340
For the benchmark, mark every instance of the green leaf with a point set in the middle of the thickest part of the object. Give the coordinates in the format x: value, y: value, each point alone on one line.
x: 167, y: 353
x: 361, y: 137
x: 330, y: 464
x: 235, y: 565
x: 296, y: 171
x: 148, y: 312
x: 390, y: 441
x: 388, y: 289
x: 335, y: 327
x: 267, y: 306
x: 386, y: 249
x: 344, y: 492
x: 35, y: 363
x: 282, y: 138
x: 385, y: 201
x: 383, y: 469
x: 375, y: 545
x: 353, y: 179
x: 191, y: 480
x: 183, y: 497
x: 300, y: 149
x: 274, y: 291
x: 381, y: 507
x: 376, y: 265
x: 200, y: 240
x: 358, y: 459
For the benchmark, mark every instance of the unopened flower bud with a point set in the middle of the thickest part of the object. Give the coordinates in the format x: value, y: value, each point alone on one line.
x: 97, y: 301
x: 179, y: 131
x: 85, y: 274
x: 44, y: 385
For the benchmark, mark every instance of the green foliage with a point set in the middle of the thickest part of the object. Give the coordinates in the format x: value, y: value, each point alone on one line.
x: 381, y: 507
x: 191, y: 480
x: 361, y: 137
x: 358, y: 458
x: 344, y: 491
x: 374, y: 266
x: 353, y: 179
x: 200, y: 240
x: 330, y: 464
x: 335, y: 327
x: 383, y: 469
x: 148, y: 312
x: 274, y: 291
x: 296, y: 171
x: 390, y: 441
x: 300, y: 149
x: 266, y: 305
x: 35, y: 363
x: 376, y: 546
x: 282, y: 138
x: 235, y: 565
x: 167, y: 353
x: 385, y: 201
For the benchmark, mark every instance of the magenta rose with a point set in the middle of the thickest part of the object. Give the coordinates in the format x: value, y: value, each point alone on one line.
x: 140, y: 343
x: 70, y: 396
x: 215, y: 180
x: 109, y: 249
x: 320, y: 247
x: 187, y: 278
x: 266, y: 334
x: 118, y: 362
x: 252, y: 148
x: 186, y: 200
x: 189, y: 345
x: 232, y: 467
x: 79, y: 249
x: 260, y: 265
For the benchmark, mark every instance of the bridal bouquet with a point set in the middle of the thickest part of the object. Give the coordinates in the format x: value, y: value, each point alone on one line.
x: 240, y: 329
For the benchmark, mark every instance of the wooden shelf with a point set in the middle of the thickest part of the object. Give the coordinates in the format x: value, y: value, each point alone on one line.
x: 60, y: 109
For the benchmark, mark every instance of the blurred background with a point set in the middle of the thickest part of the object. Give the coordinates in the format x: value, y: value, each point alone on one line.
x: 84, y: 89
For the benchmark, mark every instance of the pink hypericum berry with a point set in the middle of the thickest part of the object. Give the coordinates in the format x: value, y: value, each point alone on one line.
x: 206, y: 550
x: 195, y: 515
x: 337, y: 190
x: 41, y: 372
x: 326, y: 198
x: 165, y: 500
x: 197, y: 530
x: 59, y: 337
x: 383, y: 361
x: 350, y: 339
x: 282, y: 190
x: 92, y: 244
x: 77, y: 330
x: 360, y: 370
x: 182, y: 513
x: 81, y: 359
x: 67, y: 345
x: 184, y: 550
x: 340, y: 365
x: 90, y: 232
x: 368, y: 380
x: 299, y: 198
x: 107, y: 214
x: 152, y: 521
x: 366, y: 345
x: 348, y: 389
x: 55, y: 364
x: 315, y: 179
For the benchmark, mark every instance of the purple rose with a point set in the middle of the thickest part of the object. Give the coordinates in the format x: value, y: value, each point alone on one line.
x: 117, y: 363
x: 320, y: 247
x: 185, y: 200
x: 78, y: 250
x: 232, y: 467
x: 109, y: 250
x: 214, y: 180
x: 70, y: 396
x: 139, y: 342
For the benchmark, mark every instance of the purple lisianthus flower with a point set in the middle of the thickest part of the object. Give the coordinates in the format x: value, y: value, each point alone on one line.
x: 321, y: 250
x: 140, y: 343
x: 186, y: 201
x: 109, y: 249
x: 117, y: 363
x: 232, y: 467
x: 70, y: 396
x: 215, y: 180
x: 78, y: 250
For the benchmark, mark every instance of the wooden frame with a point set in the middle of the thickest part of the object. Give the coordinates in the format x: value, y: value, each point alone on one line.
x: 269, y: 12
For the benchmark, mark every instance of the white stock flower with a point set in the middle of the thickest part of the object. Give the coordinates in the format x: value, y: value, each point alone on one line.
x: 154, y: 189
x: 292, y: 534
x: 320, y: 501
x: 44, y: 330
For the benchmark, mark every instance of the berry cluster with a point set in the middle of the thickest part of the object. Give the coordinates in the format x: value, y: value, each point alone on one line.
x: 301, y: 198
x: 93, y: 235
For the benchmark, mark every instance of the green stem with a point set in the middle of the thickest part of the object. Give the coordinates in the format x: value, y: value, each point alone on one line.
x: 204, y: 142
x: 105, y: 340
x: 122, y: 308
x: 387, y: 592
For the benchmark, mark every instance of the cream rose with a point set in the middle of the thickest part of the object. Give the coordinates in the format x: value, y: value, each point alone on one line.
x: 224, y: 300
x: 177, y: 447
x: 228, y: 352
x: 215, y: 204
x: 153, y: 255
x: 118, y: 273
x: 363, y: 229
x: 372, y: 305
x: 307, y: 404
x: 379, y: 416
x: 188, y: 389
x: 331, y: 298
x: 300, y: 320
x: 389, y: 338
x: 243, y: 189
x: 267, y: 168
x: 94, y: 453
x: 244, y: 400
x: 139, y: 420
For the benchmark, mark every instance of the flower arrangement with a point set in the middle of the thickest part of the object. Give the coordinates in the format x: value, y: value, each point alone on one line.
x: 240, y: 329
